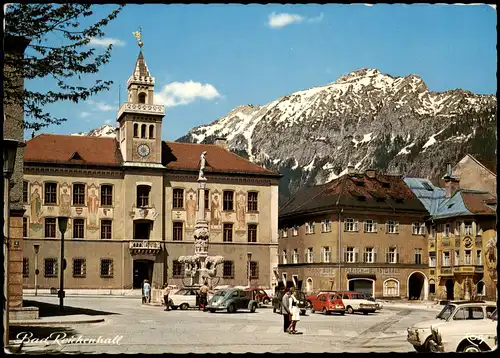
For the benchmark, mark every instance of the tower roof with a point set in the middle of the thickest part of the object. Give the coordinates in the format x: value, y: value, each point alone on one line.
x: 141, y: 74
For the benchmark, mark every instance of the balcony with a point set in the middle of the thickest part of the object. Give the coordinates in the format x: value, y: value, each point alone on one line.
x: 446, y: 271
x: 145, y: 213
x: 144, y: 247
x: 141, y: 108
x: 467, y: 269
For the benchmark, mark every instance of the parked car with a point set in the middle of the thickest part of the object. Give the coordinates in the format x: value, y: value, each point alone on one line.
x: 259, y: 295
x: 378, y: 305
x: 468, y: 336
x: 357, y: 302
x: 185, y: 298
x: 300, y: 296
x: 327, y: 303
x: 466, y: 311
x: 232, y: 300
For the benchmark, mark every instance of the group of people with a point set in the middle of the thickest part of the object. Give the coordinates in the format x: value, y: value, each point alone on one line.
x: 290, y: 311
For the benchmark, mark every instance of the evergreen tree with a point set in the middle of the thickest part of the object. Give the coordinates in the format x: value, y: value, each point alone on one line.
x: 63, y: 63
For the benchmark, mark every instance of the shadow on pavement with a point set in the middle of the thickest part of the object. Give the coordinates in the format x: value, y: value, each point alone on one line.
x: 52, y: 310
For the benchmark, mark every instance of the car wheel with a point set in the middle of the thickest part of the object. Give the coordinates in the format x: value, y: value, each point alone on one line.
x: 325, y: 312
x: 342, y: 313
x: 303, y: 312
x: 350, y: 310
x: 231, y: 308
x: 365, y: 312
x: 212, y: 310
x: 184, y: 306
x: 173, y: 307
x: 266, y: 301
x: 471, y: 348
x: 253, y: 308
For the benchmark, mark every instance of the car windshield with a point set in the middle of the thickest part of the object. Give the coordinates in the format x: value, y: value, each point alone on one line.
x: 300, y: 295
x: 220, y: 293
x: 446, y: 312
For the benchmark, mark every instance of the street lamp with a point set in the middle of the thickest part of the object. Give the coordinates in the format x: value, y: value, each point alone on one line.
x: 9, y: 160
x: 63, y: 225
x: 249, y: 260
x: 36, y: 247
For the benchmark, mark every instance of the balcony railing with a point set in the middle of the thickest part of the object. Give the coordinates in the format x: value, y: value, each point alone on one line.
x: 141, y: 108
x: 467, y: 269
x: 446, y: 271
x: 144, y: 247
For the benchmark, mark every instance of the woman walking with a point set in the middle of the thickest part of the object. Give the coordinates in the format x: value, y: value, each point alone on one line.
x: 295, y: 313
x: 147, y: 291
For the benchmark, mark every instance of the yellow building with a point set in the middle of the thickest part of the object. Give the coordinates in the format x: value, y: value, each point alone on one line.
x: 132, y: 204
x: 462, y: 239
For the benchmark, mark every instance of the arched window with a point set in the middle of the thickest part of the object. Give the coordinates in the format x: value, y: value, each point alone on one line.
x: 142, y: 98
x: 143, y: 131
x: 309, y: 285
x: 136, y: 130
x: 432, y: 287
x: 151, y: 131
x: 480, y: 290
x: 391, y: 288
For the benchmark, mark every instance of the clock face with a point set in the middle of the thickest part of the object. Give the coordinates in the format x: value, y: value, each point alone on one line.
x: 143, y: 150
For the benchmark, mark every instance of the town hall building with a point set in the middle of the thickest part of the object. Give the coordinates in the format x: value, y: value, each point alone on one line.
x: 131, y: 203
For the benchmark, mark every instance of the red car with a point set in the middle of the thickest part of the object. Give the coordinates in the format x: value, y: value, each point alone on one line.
x: 327, y: 303
x: 259, y: 295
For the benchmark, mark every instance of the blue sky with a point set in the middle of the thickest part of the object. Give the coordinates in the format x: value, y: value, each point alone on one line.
x: 209, y: 59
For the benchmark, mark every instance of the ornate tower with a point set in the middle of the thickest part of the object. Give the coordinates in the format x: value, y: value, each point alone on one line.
x: 139, y: 134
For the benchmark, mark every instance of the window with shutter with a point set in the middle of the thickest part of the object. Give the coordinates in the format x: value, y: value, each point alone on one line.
x: 356, y: 255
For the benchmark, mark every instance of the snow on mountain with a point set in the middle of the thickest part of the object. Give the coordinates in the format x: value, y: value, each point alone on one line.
x: 365, y: 117
x: 102, y: 131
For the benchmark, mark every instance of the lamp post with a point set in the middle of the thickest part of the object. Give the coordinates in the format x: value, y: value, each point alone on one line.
x: 249, y: 260
x: 36, y: 247
x: 63, y: 225
x: 9, y: 160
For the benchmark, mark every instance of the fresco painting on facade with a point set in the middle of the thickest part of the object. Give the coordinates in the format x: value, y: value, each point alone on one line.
x: 36, y: 203
x: 190, y: 208
x: 240, y: 210
x: 65, y: 200
x: 215, y: 213
x: 93, y: 206
x: 491, y: 257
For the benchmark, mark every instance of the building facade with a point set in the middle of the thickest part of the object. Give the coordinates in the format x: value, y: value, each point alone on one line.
x: 462, y: 238
x: 132, y: 204
x: 361, y: 231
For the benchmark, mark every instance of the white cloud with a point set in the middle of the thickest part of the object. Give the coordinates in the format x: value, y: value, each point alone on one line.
x: 179, y: 93
x: 106, y: 41
x: 280, y: 20
x: 84, y: 114
x: 105, y: 107
x: 284, y: 19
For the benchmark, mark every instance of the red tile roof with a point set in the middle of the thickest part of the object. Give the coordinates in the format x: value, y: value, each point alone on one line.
x: 54, y: 148
x: 187, y: 156
x: 479, y: 202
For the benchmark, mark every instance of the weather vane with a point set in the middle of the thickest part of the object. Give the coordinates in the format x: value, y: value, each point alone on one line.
x: 138, y: 36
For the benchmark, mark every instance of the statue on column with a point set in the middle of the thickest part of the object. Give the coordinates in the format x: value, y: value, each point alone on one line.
x: 203, y: 161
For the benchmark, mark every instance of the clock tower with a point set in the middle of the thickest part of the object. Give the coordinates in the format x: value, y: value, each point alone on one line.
x: 139, y: 119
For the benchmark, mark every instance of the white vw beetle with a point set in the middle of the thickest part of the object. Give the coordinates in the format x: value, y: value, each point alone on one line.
x: 461, y: 311
x: 465, y: 336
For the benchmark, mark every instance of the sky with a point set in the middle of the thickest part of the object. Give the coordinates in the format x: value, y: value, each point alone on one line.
x: 209, y: 59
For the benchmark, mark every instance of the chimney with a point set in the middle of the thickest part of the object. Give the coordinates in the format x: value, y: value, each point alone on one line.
x: 452, y: 184
x: 221, y: 142
x: 351, y: 169
x: 371, y: 173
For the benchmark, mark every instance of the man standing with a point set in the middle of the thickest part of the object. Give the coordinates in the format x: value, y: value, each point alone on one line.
x: 166, y: 292
x: 203, y: 296
x: 285, y: 309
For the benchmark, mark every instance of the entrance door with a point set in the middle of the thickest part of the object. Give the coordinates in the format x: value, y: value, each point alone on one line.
x: 450, y: 286
x: 143, y: 270
x: 142, y: 230
x: 361, y: 285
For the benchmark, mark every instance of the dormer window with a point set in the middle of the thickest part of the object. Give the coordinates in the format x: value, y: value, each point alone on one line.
x: 143, y: 131
x: 136, y: 130
x: 142, y: 98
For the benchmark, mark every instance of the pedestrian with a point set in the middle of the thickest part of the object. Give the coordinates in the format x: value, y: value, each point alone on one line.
x: 285, y: 309
x: 294, y: 309
x: 166, y: 292
x: 147, y: 291
x: 203, y: 296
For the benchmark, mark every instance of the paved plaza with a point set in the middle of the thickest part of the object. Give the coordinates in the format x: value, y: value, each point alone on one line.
x: 138, y: 328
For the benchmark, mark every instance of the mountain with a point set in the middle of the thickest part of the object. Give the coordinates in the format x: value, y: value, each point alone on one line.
x: 366, y: 119
x: 102, y: 131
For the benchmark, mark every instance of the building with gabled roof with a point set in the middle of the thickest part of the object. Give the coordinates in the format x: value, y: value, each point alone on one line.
x: 462, y: 236
x: 132, y: 204
x: 361, y: 231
